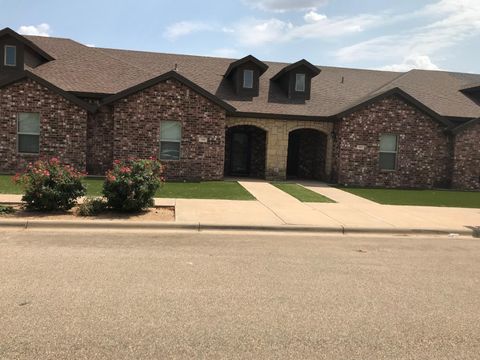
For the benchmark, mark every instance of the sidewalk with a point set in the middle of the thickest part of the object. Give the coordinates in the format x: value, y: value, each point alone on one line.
x: 276, y: 210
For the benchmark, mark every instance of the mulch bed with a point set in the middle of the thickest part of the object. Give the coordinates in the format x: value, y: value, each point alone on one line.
x: 158, y: 213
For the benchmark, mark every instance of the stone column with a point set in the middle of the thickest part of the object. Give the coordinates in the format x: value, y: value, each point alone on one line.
x: 277, y: 151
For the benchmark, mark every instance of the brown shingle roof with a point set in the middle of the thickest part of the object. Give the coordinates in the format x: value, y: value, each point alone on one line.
x: 79, y: 68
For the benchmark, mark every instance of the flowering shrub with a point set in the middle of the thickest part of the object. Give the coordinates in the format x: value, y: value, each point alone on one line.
x: 50, y: 185
x: 131, y: 185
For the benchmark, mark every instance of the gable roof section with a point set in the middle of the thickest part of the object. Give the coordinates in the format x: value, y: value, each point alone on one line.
x: 250, y: 58
x: 167, y: 76
x: 29, y: 75
x: 395, y: 92
x: 464, y: 126
x: 26, y: 42
x: 312, y: 68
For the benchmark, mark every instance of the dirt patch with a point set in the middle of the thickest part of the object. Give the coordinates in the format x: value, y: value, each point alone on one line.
x: 158, y: 213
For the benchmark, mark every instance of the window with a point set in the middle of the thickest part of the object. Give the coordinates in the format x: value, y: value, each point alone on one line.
x: 248, y: 79
x: 170, y: 137
x: 388, y: 152
x: 300, y: 82
x: 10, y: 56
x: 28, y: 133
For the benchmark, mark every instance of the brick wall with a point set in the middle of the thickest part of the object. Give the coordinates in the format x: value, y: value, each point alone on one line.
x: 100, y: 141
x: 62, y: 125
x: 423, y: 158
x: 466, y: 168
x: 137, y: 129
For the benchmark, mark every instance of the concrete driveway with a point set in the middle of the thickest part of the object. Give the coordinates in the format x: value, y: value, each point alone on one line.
x: 206, y: 296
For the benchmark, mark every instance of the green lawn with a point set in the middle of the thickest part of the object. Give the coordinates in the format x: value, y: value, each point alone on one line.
x: 419, y: 197
x: 229, y: 190
x: 7, y: 186
x: 301, y: 193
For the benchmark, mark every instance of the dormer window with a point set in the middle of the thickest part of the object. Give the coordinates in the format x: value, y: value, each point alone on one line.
x: 10, y: 58
x: 17, y: 52
x: 300, y: 82
x: 244, y: 76
x: 296, y: 80
x: 248, y: 79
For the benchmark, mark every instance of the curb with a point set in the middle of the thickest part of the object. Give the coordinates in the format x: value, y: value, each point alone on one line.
x: 111, y: 225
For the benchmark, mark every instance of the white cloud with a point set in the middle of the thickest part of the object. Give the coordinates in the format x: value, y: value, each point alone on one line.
x: 183, y: 28
x: 412, y: 62
x: 257, y: 32
x: 451, y: 21
x: 38, y: 30
x: 285, y: 5
x: 312, y: 17
x: 253, y: 32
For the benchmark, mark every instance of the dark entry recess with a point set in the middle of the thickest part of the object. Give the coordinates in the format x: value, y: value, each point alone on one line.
x: 306, y: 154
x: 245, y: 148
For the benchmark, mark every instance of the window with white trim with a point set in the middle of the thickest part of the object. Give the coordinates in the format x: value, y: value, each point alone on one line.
x: 248, y: 79
x: 388, y: 151
x: 300, y: 82
x: 10, y: 55
x: 170, y: 139
x: 28, y: 133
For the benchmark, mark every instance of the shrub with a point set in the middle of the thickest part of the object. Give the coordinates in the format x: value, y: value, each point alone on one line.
x: 50, y: 185
x: 5, y: 210
x: 131, y: 185
x: 92, y: 207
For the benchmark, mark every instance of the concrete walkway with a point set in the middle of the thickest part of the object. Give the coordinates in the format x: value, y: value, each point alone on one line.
x: 355, y: 210
x: 285, y: 207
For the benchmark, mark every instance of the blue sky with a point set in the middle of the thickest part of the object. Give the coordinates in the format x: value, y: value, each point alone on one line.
x: 376, y: 34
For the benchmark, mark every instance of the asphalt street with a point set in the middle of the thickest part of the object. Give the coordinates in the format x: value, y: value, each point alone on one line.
x: 107, y: 295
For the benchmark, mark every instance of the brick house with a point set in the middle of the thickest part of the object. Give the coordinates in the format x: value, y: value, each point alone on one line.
x: 207, y: 118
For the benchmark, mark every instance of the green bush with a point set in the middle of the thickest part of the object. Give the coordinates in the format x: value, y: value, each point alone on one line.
x: 4, y: 210
x: 92, y: 207
x: 50, y: 185
x: 131, y: 184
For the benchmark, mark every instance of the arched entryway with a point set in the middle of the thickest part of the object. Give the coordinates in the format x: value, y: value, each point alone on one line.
x: 307, y: 149
x: 245, y: 149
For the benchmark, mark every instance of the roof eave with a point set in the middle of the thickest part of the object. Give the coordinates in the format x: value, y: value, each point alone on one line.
x: 461, y: 127
x: 259, y: 115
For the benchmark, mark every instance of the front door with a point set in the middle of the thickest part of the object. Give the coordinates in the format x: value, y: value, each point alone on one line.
x: 240, y: 154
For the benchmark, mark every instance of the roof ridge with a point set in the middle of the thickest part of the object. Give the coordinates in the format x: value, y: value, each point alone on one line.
x: 389, y: 83
x: 123, y: 61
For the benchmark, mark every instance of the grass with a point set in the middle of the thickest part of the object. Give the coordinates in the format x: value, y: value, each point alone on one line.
x: 449, y: 198
x: 94, y: 186
x: 301, y: 193
x: 228, y: 190
x: 7, y: 186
